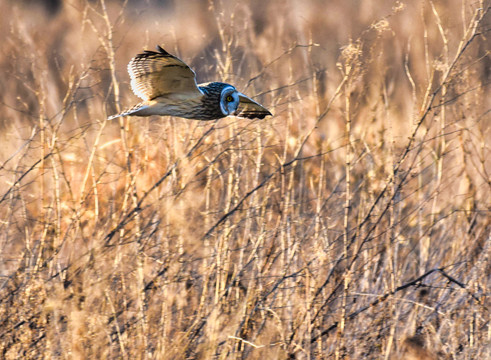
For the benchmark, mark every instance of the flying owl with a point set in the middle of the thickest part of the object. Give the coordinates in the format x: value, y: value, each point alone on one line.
x: 168, y: 87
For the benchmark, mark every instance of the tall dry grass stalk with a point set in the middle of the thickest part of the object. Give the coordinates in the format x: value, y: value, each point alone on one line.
x: 353, y: 224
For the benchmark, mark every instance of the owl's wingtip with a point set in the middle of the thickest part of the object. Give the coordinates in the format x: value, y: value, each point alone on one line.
x: 161, y: 50
x: 254, y: 114
x: 262, y: 116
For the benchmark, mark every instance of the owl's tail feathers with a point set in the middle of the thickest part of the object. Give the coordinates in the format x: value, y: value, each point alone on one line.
x: 136, y: 110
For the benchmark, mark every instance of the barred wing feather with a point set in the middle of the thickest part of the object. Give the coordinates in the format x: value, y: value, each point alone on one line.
x: 250, y: 109
x: 158, y: 73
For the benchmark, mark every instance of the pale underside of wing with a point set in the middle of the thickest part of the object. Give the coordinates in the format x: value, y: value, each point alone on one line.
x: 158, y: 73
x: 250, y: 109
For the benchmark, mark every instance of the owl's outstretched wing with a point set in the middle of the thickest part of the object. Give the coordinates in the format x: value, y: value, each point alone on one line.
x: 158, y: 73
x: 250, y: 109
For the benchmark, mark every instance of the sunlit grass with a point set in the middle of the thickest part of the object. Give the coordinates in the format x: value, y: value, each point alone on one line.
x: 354, y: 223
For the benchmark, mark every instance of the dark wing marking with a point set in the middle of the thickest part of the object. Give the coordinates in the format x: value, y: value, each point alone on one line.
x: 250, y: 109
x: 158, y: 73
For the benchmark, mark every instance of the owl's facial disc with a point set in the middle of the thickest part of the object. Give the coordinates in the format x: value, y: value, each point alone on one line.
x: 229, y: 100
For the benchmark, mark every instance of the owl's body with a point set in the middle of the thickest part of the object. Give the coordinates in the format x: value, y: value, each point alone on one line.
x: 168, y: 87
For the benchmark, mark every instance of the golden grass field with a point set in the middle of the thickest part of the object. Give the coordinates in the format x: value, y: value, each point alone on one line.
x: 353, y: 224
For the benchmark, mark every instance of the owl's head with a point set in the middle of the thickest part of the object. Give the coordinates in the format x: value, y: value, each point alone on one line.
x: 229, y: 100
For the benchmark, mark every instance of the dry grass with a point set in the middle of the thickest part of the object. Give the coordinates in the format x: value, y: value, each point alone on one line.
x: 353, y: 224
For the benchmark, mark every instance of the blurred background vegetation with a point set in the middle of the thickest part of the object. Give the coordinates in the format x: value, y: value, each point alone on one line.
x: 353, y: 224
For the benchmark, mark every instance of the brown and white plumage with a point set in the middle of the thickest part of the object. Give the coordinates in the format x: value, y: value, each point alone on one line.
x: 168, y: 86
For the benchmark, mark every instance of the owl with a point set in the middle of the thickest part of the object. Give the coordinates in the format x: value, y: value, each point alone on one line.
x: 168, y: 87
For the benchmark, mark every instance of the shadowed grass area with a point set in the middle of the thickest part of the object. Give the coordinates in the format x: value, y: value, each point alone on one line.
x: 354, y: 223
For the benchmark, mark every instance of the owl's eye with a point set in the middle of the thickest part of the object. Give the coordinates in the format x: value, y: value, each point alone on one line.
x: 229, y: 98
